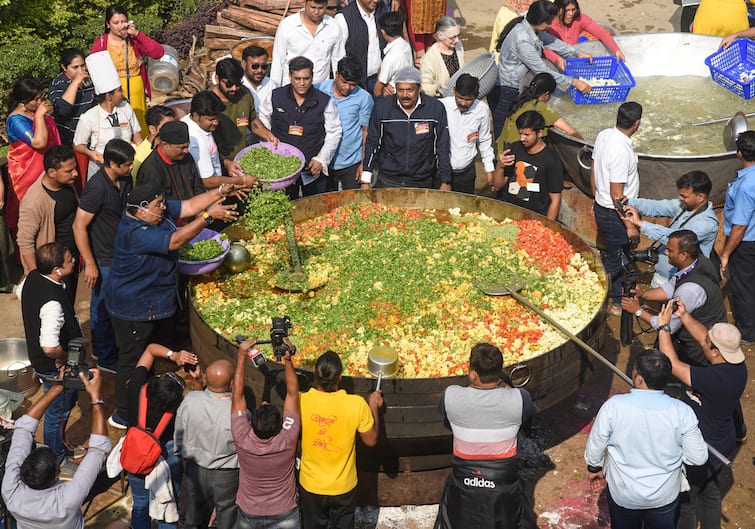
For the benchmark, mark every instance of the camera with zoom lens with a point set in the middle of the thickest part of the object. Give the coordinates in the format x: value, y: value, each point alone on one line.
x: 75, y: 364
x: 648, y: 255
x: 280, y: 329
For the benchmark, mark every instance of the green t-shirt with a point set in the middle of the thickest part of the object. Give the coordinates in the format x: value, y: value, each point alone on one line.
x: 234, y: 124
x: 511, y: 134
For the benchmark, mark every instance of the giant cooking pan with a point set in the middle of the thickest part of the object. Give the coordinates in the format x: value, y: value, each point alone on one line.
x: 413, y: 436
x: 658, y: 54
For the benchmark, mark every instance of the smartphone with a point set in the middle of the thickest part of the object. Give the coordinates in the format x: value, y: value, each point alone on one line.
x: 619, y: 205
x: 674, y: 306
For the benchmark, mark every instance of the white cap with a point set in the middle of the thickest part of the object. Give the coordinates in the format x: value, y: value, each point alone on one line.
x: 103, y: 73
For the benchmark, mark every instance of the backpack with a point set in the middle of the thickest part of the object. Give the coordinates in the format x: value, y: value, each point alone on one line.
x: 141, y: 447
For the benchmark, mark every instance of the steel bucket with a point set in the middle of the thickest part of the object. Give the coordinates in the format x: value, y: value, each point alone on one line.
x: 16, y: 373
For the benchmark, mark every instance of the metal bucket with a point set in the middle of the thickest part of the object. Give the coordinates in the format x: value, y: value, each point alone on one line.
x: 413, y: 434
x: 656, y: 54
x: 16, y: 373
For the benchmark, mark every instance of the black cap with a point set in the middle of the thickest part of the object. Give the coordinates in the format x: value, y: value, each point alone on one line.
x: 142, y: 195
x: 174, y: 133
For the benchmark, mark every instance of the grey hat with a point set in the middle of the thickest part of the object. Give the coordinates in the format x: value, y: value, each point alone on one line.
x: 408, y: 74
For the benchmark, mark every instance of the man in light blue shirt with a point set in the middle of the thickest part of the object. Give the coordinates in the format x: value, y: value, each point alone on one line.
x: 692, y: 212
x: 354, y: 108
x: 638, y: 443
x: 738, y: 255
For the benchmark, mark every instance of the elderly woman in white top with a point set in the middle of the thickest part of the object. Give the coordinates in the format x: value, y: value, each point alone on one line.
x: 442, y: 59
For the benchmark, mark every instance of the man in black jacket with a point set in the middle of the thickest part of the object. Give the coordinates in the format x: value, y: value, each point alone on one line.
x: 408, y: 138
x: 696, y: 284
x: 359, y: 22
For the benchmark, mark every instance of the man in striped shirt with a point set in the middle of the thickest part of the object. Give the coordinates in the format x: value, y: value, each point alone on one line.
x: 484, y: 490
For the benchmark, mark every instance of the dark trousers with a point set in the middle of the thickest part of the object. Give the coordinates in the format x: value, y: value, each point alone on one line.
x: 206, y: 489
x: 383, y: 181
x: 346, y: 176
x: 742, y: 276
x: 103, y: 336
x: 506, y: 97
x: 708, y: 486
x: 132, y: 338
x: 657, y: 518
x: 328, y: 512
x: 462, y: 181
x: 614, y: 234
x: 319, y: 185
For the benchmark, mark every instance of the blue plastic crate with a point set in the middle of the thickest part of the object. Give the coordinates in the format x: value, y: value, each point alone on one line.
x: 600, y: 68
x: 727, y: 65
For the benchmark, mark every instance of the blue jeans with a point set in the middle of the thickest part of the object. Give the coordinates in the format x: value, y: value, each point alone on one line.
x: 657, y: 518
x: 103, y: 336
x: 288, y: 520
x: 56, y: 415
x: 614, y: 234
x: 140, y: 510
x: 506, y: 97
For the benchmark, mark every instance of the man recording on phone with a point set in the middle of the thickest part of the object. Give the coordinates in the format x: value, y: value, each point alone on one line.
x: 692, y: 211
x: 696, y: 284
x: 266, y: 447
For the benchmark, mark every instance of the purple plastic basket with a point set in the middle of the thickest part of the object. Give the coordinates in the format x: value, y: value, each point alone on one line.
x: 195, y: 268
x: 284, y: 149
x: 726, y: 66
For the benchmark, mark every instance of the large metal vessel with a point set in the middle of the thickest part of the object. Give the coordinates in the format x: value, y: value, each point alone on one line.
x: 414, y: 441
x: 658, y: 54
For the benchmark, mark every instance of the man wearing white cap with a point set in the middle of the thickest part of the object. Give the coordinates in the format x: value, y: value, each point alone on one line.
x: 112, y: 116
x: 408, y: 138
x: 714, y: 397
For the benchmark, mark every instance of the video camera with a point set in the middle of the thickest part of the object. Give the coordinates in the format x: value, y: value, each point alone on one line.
x: 280, y: 329
x: 75, y: 364
x: 648, y: 255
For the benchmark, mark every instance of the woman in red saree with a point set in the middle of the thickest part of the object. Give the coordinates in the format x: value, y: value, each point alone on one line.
x: 31, y: 131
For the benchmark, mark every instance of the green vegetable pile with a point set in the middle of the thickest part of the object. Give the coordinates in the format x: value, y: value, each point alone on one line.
x: 264, y: 210
x: 200, y: 250
x: 267, y: 165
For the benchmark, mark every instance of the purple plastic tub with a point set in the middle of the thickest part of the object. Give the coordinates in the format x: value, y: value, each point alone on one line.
x: 284, y: 149
x: 195, y: 268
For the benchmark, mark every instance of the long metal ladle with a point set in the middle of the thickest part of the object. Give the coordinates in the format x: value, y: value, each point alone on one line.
x: 498, y: 289
x: 720, y: 120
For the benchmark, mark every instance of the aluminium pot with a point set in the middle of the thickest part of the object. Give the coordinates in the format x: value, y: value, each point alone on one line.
x: 16, y: 373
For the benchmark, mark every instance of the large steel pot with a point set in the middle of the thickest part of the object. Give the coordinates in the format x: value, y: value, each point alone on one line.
x: 413, y: 436
x: 658, y: 54
x: 16, y: 373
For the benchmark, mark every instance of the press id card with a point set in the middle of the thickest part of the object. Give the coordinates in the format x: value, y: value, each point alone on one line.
x: 421, y: 128
x: 295, y: 130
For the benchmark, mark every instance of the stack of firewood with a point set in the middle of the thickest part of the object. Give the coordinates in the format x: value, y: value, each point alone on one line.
x: 248, y: 20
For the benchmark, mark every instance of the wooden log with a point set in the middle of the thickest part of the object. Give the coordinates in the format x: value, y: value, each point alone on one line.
x: 224, y: 32
x: 224, y: 45
x: 268, y: 5
x: 256, y: 20
x: 222, y: 21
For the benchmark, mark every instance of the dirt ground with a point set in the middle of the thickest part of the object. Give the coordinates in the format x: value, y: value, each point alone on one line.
x: 553, y: 453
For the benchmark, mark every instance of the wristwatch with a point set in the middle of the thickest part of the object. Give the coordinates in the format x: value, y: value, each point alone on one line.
x: 664, y: 327
x: 638, y: 312
x: 169, y: 354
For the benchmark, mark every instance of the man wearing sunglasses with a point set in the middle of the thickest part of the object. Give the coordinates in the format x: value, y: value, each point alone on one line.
x: 240, y: 114
x: 254, y: 60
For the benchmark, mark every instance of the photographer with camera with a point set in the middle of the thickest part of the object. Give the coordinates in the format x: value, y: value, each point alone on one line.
x: 266, y: 447
x: 203, y: 438
x: 695, y: 284
x: 50, y: 324
x: 331, y: 419
x: 692, y: 211
x: 31, y: 489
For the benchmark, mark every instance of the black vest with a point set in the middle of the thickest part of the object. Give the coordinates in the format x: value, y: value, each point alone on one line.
x: 709, y: 313
x: 37, y: 291
x: 358, y: 42
x: 310, y: 116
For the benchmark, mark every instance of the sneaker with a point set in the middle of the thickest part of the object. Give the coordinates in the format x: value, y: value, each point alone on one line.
x: 615, y: 310
x: 106, y: 369
x: 116, y: 422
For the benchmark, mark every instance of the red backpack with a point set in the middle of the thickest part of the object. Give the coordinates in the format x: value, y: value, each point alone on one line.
x: 141, y: 448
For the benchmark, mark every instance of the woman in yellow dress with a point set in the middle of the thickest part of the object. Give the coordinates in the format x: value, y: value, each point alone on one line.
x: 127, y: 47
